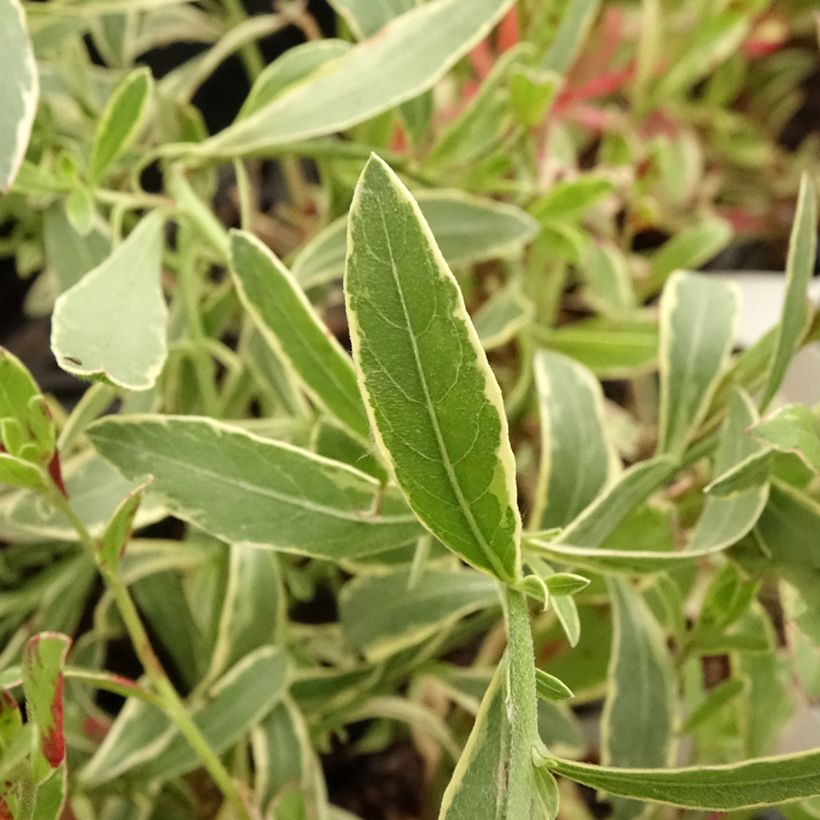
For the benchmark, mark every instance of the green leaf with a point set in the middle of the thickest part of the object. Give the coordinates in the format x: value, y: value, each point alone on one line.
x: 608, y: 279
x: 112, y: 322
x: 409, y: 57
x: 26, y: 428
x: 724, y: 521
x: 383, y: 614
x: 792, y: 429
x: 253, y: 608
x: 755, y: 783
x: 568, y: 201
x: 19, y: 90
x: 69, y: 255
x: 638, y: 716
x: 121, y: 120
x: 434, y: 404
x: 688, y: 250
x: 789, y: 525
x: 115, y: 537
x: 714, y: 39
x: 572, y: 32
x: 600, y: 518
x: 799, y: 268
x: 17, y: 472
x: 243, y: 488
x: 577, y: 460
x: 285, y: 318
x: 502, y: 316
x: 466, y: 228
x: 294, y: 66
x: 365, y: 18
x: 550, y: 688
x: 43, y: 661
x: 283, y: 755
x: 718, y: 699
x: 610, y: 348
x: 698, y: 317
x: 751, y: 472
x: 143, y: 737
x: 235, y: 702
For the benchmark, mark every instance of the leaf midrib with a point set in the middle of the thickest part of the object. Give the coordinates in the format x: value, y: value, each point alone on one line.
x: 431, y: 413
x: 267, y: 492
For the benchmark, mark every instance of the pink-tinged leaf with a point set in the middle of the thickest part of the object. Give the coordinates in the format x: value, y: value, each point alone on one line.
x: 43, y: 662
x: 11, y: 721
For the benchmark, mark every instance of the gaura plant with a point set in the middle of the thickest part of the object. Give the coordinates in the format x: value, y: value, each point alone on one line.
x: 245, y: 557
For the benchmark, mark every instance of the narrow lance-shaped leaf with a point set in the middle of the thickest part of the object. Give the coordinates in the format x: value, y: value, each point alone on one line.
x: 383, y: 614
x: 501, y: 318
x: 376, y: 75
x: 253, y: 608
x: 799, y: 269
x: 243, y: 488
x: 285, y: 318
x: 121, y: 120
x: 698, y: 316
x: 789, y: 525
x: 142, y: 736
x: 577, y: 461
x: 112, y: 322
x: 576, y: 22
x: 292, y: 67
x: 43, y: 661
x: 19, y: 90
x: 113, y: 541
x: 687, y: 250
x: 724, y: 521
x: 792, y: 429
x: 434, y: 404
x: 752, y: 784
x: 638, y: 714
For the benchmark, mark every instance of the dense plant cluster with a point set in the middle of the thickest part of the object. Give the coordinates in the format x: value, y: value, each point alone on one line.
x: 412, y: 468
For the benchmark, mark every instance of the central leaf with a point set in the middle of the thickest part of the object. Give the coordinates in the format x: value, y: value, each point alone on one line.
x: 434, y: 403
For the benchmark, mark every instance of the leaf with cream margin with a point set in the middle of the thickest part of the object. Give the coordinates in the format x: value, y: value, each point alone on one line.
x: 792, y: 429
x: 288, y: 323
x: 382, y: 614
x: 698, y: 319
x: 246, y: 489
x: 404, y: 60
x: 111, y: 324
x: 800, y: 263
x: 434, y: 404
x: 121, y: 120
x: 19, y: 90
x: 577, y: 460
x: 756, y: 783
x: 638, y: 717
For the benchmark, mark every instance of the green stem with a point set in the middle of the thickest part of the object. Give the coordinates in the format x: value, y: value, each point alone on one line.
x: 169, y: 699
x: 249, y: 53
x: 521, y: 701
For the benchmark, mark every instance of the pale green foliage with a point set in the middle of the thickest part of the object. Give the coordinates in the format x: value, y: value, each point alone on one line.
x: 438, y: 274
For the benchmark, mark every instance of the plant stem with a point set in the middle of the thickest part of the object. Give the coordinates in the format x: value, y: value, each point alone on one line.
x: 170, y: 701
